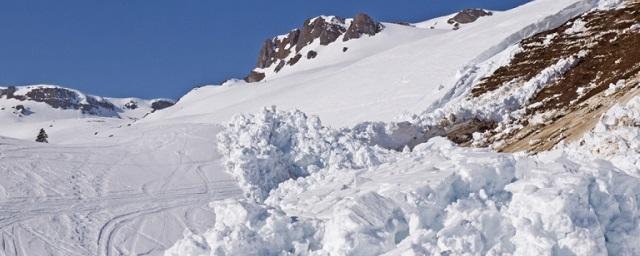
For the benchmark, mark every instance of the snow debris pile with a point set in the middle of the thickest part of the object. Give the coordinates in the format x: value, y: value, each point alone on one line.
x: 504, y: 103
x: 616, y: 137
x: 437, y: 199
x: 270, y: 147
x: 244, y: 228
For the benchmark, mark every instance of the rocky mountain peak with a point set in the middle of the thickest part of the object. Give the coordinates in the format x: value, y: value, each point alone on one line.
x: 286, y: 49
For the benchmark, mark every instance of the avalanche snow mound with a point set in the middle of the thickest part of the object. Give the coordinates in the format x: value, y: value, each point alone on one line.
x: 616, y: 137
x: 441, y: 199
x: 264, y: 149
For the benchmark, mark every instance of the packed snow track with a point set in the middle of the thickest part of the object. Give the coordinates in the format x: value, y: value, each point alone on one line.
x: 131, y: 194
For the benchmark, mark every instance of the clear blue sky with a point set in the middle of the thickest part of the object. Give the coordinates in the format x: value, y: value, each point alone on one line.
x: 163, y: 48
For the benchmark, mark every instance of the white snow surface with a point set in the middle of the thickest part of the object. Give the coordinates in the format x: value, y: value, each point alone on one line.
x: 403, y: 69
x: 206, y: 178
x: 438, y: 200
x: 273, y: 146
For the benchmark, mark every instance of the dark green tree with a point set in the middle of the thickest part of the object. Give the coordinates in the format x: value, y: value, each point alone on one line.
x: 42, y: 137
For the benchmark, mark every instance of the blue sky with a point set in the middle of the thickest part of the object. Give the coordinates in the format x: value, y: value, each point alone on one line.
x: 163, y: 48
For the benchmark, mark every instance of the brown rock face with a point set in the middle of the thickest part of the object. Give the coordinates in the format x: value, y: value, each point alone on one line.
x: 294, y: 60
x: 280, y: 66
x: 607, y: 52
x: 327, y: 31
x: 468, y: 16
x: 265, y: 57
x: 254, y: 77
x: 362, y: 24
x: 462, y: 133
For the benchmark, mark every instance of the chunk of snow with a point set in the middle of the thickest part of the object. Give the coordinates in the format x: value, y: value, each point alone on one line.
x: 270, y: 147
x: 613, y: 88
x: 578, y: 26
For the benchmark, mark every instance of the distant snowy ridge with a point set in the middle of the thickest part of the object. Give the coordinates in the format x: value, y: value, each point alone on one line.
x: 58, y: 97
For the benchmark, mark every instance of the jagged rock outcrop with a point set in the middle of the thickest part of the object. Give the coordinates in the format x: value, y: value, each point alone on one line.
x: 287, y: 49
x: 326, y: 29
x: 161, y: 104
x: 255, y: 76
x: 468, y: 16
x: 362, y: 24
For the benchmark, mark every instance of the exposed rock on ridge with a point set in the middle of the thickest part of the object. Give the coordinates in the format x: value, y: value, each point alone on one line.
x: 68, y: 99
x: 63, y: 98
x: 362, y: 24
x: 286, y: 49
x: 468, y: 16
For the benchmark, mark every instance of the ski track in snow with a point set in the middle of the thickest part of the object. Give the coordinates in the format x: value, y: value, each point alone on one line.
x: 131, y: 198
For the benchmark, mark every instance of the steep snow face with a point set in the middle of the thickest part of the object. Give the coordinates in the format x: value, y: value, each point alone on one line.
x: 402, y: 69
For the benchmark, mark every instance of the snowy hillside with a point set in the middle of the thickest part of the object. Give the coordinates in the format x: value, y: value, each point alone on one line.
x: 477, y: 133
x: 402, y: 69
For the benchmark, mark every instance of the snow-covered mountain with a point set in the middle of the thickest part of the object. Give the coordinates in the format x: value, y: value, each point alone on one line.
x: 25, y: 109
x: 476, y: 133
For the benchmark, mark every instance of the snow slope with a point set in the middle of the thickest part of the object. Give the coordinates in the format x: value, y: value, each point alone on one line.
x: 412, y: 68
x: 130, y: 194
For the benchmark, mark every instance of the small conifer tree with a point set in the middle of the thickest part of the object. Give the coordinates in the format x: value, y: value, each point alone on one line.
x: 42, y: 137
